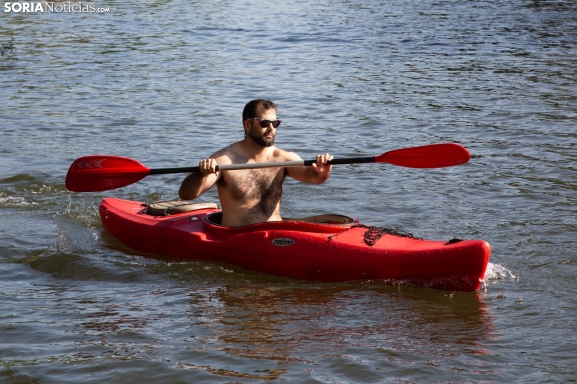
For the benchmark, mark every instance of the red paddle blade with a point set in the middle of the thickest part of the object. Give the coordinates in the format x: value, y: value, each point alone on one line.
x: 427, y: 156
x: 100, y: 173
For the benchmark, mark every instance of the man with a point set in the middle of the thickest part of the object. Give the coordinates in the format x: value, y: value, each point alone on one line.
x: 253, y: 195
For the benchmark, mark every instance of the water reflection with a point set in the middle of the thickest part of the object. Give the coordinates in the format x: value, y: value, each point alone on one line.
x: 388, y: 325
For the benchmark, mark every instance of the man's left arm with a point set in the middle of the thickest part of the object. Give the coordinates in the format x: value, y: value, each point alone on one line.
x: 318, y: 173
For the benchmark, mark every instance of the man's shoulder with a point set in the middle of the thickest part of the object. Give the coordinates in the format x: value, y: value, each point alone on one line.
x: 283, y: 155
x: 227, y: 154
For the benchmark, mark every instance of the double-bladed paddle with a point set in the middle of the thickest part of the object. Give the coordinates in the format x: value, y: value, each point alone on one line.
x: 101, y: 172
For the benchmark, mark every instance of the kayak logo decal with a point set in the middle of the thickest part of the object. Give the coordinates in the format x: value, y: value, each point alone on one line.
x: 283, y: 242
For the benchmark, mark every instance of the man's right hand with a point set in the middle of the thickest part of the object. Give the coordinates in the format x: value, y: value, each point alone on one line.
x: 207, y: 166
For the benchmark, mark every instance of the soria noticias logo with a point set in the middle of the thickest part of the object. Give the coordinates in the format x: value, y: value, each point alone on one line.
x: 53, y: 7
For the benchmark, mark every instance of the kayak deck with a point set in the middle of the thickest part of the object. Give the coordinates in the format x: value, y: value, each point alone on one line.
x: 303, y: 250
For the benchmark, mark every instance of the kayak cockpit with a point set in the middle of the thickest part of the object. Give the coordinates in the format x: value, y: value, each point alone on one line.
x: 328, y: 219
x: 329, y: 223
x: 326, y: 223
x: 172, y: 207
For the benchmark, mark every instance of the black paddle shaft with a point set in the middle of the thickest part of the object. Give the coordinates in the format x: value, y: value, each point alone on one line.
x: 308, y: 163
x: 346, y: 160
x: 162, y: 171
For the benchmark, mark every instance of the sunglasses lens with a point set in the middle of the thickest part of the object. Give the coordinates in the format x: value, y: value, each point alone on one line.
x: 264, y: 123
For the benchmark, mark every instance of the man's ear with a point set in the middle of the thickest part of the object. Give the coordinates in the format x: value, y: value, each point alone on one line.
x: 246, y: 126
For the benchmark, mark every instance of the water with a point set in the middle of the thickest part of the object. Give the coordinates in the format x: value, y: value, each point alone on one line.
x: 165, y: 83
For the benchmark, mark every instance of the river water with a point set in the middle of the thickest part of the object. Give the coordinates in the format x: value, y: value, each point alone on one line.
x: 165, y: 82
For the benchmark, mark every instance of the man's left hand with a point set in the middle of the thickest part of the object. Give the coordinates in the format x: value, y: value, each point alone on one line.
x: 320, y: 165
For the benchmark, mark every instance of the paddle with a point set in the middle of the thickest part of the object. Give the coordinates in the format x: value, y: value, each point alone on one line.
x: 100, y: 172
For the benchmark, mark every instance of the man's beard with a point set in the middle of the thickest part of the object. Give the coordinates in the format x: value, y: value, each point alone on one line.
x: 260, y: 139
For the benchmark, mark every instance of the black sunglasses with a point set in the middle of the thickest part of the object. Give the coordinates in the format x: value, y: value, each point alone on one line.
x: 265, y: 122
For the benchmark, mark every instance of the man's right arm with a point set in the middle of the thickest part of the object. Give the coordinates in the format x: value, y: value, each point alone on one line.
x: 197, y: 183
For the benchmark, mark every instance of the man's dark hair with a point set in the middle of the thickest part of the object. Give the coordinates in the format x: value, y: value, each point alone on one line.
x: 251, y: 107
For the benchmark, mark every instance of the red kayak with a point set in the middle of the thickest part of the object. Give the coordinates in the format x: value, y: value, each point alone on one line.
x: 326, y: 247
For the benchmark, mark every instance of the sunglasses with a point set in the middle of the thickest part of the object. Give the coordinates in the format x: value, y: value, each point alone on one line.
x: 265, y: 122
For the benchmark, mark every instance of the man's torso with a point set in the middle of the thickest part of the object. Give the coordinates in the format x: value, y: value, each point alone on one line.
x: 252, y: 195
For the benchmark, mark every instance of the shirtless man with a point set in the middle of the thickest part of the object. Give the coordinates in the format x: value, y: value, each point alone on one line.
x: 252, y: 196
